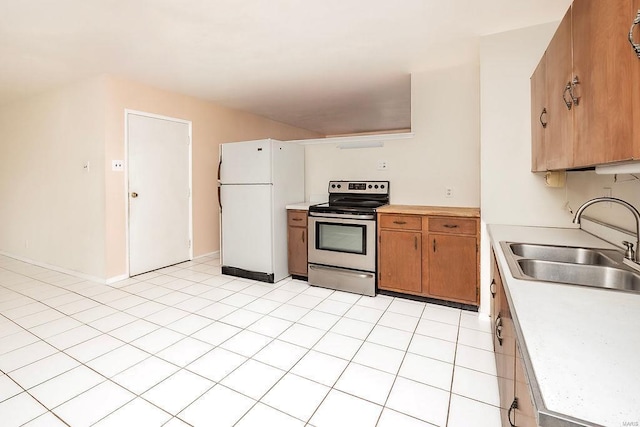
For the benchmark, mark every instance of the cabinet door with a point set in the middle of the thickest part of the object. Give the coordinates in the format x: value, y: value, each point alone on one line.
x: 539, y: 116
x: 603, y: 63
x: 633, y: 13
x: 525, y: 415
x: 493, y: 289
x: 453, y: 267
x: 559, y: 132
x: 298, y: 251
x: 400, y: 255
x: 505, y: 350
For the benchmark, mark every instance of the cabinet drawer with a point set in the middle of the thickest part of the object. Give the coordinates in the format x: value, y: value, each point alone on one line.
x: 452, y: 225
x: 402, y: 222
x: 297, y: 218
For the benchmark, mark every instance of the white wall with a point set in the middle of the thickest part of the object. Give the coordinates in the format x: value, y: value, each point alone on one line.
x: 51, y: 208
x: 444, y: 152
x: 511, y: 194
x: 582, y: 186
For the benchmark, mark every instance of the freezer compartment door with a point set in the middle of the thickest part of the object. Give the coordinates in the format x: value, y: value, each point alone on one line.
x: 246, y: 162
x: 247, y: 227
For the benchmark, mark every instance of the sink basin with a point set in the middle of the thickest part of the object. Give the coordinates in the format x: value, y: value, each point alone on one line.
x: 580, y: 274
x: 566, y: 254
x: 601, y: 268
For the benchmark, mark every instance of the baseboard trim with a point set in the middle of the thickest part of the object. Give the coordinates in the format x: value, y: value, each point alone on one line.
x: 59, y: 269
x: 215, y: 254
x: 115, y: 279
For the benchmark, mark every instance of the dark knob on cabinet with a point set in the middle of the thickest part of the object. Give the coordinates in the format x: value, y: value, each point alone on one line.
x: 370, y: 186
x: 375, y: 186
x: 339, y: 186
x: 382, y: 186
x: 333, y: 186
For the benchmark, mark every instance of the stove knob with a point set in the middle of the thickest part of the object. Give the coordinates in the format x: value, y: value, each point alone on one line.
x: 382, y: 186
x: 370, y: 186
x: 333, y: 186
x: 339, y: 186
x: 375, y: 186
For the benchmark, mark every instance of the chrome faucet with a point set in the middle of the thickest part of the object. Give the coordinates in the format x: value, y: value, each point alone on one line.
x: 630, y: 254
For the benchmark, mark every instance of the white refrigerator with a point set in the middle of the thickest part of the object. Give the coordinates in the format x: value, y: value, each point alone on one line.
x: 257, y: 180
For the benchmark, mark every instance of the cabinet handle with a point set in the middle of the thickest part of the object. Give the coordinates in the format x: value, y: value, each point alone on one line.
x: 296, y: 219
x: 544, y: 112
x: 568, y: 103
x: 399, y: 222
x: 636, y: 46
x: 499, y: 329
x: 514, y: 405
x: 434, y: 245
x: 303, y: 233
x: 492, y: 288
x: 575, y: 99
x: 450, y: 226
x: 415, y: 242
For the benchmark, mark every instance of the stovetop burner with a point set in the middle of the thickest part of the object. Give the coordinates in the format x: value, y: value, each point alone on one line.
x: 354, y: 197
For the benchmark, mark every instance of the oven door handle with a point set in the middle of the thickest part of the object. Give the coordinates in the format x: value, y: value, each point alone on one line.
x: 342, y: 272
x: 342, y: 216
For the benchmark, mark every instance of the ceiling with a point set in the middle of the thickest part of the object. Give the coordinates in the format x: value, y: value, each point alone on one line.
x: 332, y: 66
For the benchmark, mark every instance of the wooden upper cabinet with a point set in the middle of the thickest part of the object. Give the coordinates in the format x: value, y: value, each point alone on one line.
x: 603, y: 61
x: 592, y: 87
x: 635, y: 71
x: 559, y: 131
x: 400, y: 260
x: 539, y: 116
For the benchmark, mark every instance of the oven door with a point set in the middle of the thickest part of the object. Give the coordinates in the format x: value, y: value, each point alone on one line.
x: 347, y: 241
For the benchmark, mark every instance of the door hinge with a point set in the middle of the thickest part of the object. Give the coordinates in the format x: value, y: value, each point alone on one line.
x: 189, y: 193
x: 189, y: 243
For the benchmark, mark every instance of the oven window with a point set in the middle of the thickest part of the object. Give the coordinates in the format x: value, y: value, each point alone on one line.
x: 347, y: 238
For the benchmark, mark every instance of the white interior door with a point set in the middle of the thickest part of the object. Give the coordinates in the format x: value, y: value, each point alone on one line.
x: 159, y: 192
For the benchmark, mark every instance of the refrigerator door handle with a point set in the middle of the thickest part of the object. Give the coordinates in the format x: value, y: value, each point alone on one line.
x: 219, y: 198
x: 219, y: 167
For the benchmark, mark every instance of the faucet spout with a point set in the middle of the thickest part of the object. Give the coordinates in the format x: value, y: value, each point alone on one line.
x: 634, y: 211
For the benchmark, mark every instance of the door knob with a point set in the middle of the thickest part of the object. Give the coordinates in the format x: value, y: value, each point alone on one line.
x: 134, y: 195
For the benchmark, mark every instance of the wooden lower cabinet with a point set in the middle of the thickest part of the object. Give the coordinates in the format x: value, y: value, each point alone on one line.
x: 525, y: 413
x: 516, y: 405
x: 429, y: 255
x: 400, y: 266
x: 297, y: 242
x: 452, y: 267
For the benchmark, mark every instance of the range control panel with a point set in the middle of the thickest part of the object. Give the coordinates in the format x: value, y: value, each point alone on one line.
x: 359, y: 187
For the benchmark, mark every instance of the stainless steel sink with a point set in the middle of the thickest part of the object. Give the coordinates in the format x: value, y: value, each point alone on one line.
x: 580, y: 274
x: 602, y: 268
x: 566, y: 254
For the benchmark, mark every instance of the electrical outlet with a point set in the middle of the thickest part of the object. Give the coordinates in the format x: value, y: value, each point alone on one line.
x: 448, y: 192
x: 383, y: 165
x: 117, y: 165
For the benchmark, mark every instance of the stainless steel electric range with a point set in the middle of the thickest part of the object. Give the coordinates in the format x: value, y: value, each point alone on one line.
x: 343, y: 236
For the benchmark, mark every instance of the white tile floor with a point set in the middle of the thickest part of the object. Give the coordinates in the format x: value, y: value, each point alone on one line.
x: 188, y: 346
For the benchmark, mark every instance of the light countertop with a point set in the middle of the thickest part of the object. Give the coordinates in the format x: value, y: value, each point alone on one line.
x: 583, y: 344
x: 430, y: 210
x: 302, y: 206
